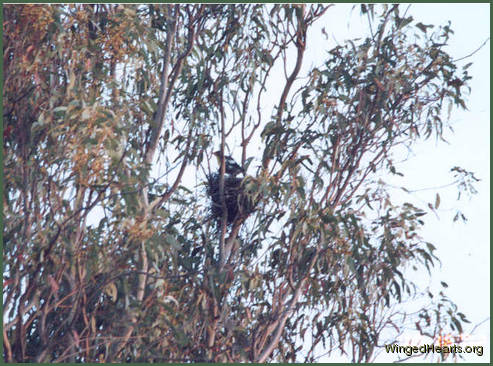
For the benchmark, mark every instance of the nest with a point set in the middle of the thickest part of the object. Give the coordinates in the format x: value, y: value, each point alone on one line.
x: 238, y: 202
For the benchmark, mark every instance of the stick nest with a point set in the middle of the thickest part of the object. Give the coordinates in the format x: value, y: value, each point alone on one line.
x: 239, y: 201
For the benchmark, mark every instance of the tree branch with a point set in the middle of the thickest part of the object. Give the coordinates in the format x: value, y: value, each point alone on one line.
x: 158, y: 120
x: 282, y: 321
x: 300, y: 45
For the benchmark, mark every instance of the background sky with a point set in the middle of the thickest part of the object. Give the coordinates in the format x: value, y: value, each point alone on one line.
x: 463, y: 248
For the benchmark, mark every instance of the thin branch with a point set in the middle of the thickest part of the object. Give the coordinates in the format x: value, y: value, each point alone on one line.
x: 300, y: 45
x: 473, y: 52
x: 160, y: 200
x: 158, y: 120
x: 282, y: 321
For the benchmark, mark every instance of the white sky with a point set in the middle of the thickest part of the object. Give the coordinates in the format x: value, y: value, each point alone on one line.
x: 462, y: 248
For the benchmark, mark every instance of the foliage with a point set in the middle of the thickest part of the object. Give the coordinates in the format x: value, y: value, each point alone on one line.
x: 108, y: 258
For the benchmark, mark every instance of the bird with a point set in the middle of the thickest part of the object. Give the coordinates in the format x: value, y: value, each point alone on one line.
x: 231, y: 167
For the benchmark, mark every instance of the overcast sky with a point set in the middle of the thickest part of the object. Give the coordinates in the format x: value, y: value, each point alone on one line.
x: 462, y: 248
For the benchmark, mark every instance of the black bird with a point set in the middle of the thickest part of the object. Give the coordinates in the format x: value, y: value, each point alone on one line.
x: 231, y: 167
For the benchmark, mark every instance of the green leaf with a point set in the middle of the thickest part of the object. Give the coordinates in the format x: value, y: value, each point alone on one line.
x: 423, y: 27
x: 437, y: 201
x: 457, y: 324
x: 171, y: 240
x: 431, y: 247
x: 405, y: 21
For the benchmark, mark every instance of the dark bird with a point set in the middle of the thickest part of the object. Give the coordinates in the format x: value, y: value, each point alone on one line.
x: 231, y: 167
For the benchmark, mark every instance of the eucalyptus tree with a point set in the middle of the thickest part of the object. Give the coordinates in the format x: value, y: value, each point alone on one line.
x: 111, y: 116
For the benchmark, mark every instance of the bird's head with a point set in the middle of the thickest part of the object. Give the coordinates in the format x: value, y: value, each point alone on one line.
x: 232, y: 168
